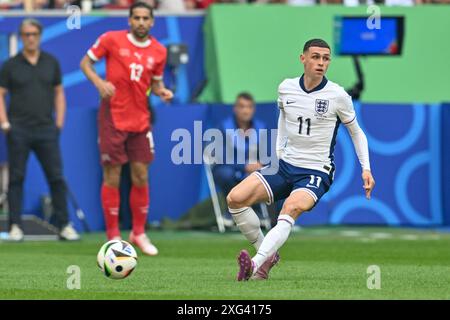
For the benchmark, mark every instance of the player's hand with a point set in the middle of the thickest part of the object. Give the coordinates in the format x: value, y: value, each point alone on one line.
x: 166, y: 95
x: 106, y: 89
x: 59, y: 126
x: 5, y: 127
x: 369, y: 183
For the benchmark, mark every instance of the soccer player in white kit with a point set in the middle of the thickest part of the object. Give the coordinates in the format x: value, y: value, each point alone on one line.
x: 311, y: 110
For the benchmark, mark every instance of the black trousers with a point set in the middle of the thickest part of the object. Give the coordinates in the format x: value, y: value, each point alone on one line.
x: 44, y: 142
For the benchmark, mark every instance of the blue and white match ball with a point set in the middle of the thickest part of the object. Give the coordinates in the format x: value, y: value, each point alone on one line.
x: 117, y: 259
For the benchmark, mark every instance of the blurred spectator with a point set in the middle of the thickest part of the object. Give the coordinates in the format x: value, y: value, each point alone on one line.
x: 229, y: 175
x: 11, y: 4
x: 30, y: 5
x: 171, y: 5
x: 119, y: 4
x: 98, y: 4
x: 198, y: 4
x: 399, y: 2
x: 183, y: 5
x: 63, y: 4
x: 301, y: 2
x: 203, y: 4
x: 241, y: 140
x: 152, y: 3
x: 376, y: 2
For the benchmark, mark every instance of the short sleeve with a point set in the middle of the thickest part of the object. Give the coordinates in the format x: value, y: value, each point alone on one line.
x: 100, y: 48
x: 345, y: 109
x: 57, y: 77
x: 158, y: 72
x: 5, y: 81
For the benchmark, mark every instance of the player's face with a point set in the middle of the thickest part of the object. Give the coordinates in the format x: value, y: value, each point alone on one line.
x: 31, y: 37
x: 316, y: 61
x: 140, y: 22
x: 244, y: 110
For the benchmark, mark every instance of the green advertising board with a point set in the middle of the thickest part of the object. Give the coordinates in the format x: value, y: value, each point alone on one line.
x: 253, y: 48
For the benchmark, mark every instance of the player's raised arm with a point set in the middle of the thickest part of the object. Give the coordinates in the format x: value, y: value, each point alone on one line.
x: 348, y: 117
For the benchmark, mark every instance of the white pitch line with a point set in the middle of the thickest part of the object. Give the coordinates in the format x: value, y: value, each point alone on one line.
x: 409, y: 237
x: 380, y: 235
x: 367, y: 240
x: 351, y: 233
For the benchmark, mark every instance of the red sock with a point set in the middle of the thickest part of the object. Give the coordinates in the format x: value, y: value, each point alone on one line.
x: 110, y: 203
x: 139, y: 201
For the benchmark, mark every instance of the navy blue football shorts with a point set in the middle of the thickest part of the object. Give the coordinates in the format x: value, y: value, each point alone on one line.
x: 290, y: 179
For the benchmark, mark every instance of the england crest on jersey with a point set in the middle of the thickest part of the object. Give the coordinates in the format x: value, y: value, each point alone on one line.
x: 322, y: 106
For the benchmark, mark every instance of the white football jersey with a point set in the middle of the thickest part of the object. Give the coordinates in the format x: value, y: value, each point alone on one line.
x: 309, y: 121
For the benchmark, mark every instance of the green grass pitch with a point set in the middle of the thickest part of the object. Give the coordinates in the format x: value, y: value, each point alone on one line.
x: 317, y: 263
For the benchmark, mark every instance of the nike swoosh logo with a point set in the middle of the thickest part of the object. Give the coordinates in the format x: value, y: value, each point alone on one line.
x: 290, y: 102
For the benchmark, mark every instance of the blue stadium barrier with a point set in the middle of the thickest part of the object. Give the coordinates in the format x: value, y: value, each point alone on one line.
x: 445, y: 163
x: 406, y: 162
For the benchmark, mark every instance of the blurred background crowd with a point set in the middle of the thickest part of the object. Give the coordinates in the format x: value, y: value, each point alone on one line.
x: 186, y: 5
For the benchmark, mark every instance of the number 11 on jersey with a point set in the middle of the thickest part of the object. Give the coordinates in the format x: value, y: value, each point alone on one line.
x: 300, y: 126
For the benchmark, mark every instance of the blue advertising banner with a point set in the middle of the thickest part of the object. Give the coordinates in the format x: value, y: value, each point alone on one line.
x: 405, y: 150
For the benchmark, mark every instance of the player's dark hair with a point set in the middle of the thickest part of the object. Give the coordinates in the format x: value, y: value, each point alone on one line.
x: 141, y: 4
x: 246, y: 96
x: 315, y: 43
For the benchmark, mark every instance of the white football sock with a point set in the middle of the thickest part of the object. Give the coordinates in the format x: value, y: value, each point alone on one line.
x: 273, y: 241
x: 249, y: 225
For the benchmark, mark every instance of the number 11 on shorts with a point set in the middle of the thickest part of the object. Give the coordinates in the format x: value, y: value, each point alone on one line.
x: 315, y: 182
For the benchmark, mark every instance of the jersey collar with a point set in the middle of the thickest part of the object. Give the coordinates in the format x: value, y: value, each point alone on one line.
x: 139, y: 44
x: 319, y: 87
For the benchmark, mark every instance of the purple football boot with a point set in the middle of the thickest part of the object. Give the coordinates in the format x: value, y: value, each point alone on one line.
x: 263, y: 272
x: 246, y: 266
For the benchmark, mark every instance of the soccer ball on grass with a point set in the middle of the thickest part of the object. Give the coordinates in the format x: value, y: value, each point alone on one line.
x: 117, y: 259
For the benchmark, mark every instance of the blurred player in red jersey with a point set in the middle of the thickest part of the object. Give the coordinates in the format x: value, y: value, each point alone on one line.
x: 134, y: 63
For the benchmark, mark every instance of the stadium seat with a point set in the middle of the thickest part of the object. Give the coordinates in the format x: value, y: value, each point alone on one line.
x: 221, y: 222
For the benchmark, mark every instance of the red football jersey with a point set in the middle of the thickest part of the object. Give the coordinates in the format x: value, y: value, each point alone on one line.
x: 130, y: 66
